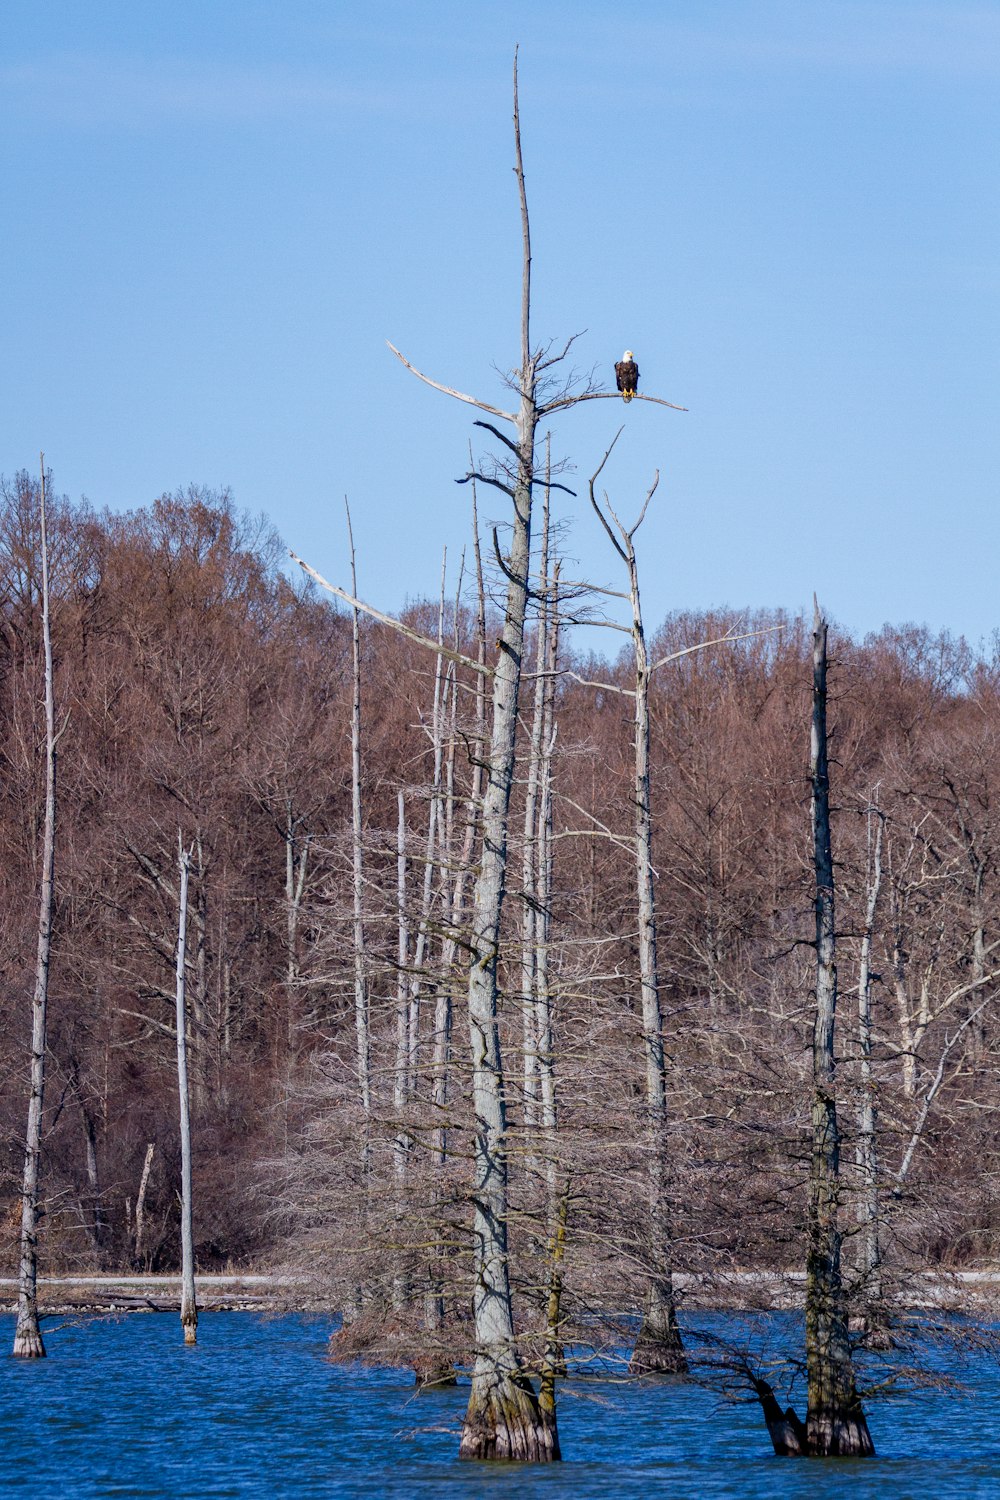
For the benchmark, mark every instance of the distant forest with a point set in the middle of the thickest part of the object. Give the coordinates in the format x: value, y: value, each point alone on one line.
x: 204, y: 686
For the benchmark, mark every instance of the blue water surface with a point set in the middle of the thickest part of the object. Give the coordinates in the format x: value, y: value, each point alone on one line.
x: 121, y: 1408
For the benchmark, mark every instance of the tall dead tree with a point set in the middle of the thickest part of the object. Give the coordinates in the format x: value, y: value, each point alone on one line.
x: 835, y: 1421
x: 189, y: 1304
x: 27, y: 1334
x: 357, y: 857
x: 529, y: 849
x: 658, y: 1348
x: 835, y: 1424
x: 504, y: 1420
x: 867, y: 1147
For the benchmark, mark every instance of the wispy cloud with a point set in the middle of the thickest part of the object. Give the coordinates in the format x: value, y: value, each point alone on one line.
x: 82, y: 89
x: 856, y: 36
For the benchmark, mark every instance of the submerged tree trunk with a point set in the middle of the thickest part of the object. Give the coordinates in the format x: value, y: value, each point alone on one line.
x: 27, y: 1334
x: 504, y: 1420
x: 437, y: 1370
x: 867, y: 1149
x: 835, y: 1423
x: 658, y: 1347
x: 189, y: 1305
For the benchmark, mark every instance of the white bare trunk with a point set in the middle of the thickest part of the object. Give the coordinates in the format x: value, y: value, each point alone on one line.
x: 658, y: 1347
x: 360, y: 976
x: 529, y: 850
x: 503, y: 1418
x: 543, y: 909
x: 189, y: 1305
x: 867, y: 1147
x: 28, y: 1342
x: 434, y: 834
x: 296, y: 860
x: 140, y: 1207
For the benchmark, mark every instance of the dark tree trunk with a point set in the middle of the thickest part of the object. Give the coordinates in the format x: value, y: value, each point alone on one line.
x: 835, y: 1424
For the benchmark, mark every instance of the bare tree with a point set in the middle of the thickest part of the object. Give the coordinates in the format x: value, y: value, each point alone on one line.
x: 27, y: 1334
x: 659, y: 1346
x: 189, y: 1304
x: 360, y: 975
x: 503, y: 1419
x: 867, y: 1147
x: 835, y: 1423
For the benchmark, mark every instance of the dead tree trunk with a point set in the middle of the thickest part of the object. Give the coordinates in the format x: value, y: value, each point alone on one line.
x: 27, y: 1334
x: 658, y: 1347
x: 360, y: 975
x: 835, y: 1421
x: 543, y: 908
x: 401, y: 1140
x: 438, y: 1370
x: 296, y: 860
x: 504, y: 1419
x: 189, y: 1305
x: 140, y: 1210
x: 529, y: 852
x: 418, y: 977
x: 867, y: 1148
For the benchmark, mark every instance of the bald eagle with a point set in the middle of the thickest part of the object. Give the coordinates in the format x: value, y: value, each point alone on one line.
x: 627, y: 375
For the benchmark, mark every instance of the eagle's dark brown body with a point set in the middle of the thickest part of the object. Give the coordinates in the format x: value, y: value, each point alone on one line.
x: 627, y: 376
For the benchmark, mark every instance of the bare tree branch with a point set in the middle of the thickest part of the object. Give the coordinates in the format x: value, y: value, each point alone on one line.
x: 720, y: 641
x: 497, y: 484
x: 546, y: 364
x: 562, y: 402
x: 450, y: 391
x: 376, y: 614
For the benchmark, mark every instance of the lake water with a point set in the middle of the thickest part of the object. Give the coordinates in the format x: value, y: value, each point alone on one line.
x: 121, y: 1408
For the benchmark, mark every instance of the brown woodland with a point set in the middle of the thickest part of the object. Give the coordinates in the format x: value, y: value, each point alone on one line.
x: 206, y: 689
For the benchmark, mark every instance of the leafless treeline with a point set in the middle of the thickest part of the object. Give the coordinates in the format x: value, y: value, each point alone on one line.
x: 201, y: 689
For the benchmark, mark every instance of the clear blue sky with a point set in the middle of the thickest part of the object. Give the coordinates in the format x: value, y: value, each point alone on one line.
x: 216, y: 214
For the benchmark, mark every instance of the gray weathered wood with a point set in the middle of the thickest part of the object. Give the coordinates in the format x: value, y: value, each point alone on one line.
x: 659, y: 1348
x: 189, y: 1303
x: 28, y: 1342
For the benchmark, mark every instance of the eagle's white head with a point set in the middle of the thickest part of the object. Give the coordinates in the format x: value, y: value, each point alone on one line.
x: 627, y: 354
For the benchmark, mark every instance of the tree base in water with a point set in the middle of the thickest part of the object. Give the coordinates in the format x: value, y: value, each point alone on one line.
x: 839, y: 1435
x: 787, y: 1431
x: 28, y: 1336
x: 823, y: 1436
x: 655, y: 1355
x: 504, y: 1422
x: 189, y: 1322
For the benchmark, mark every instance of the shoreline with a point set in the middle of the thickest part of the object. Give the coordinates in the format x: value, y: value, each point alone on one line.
x: 973, y: 1291
x: 107, y: 1291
